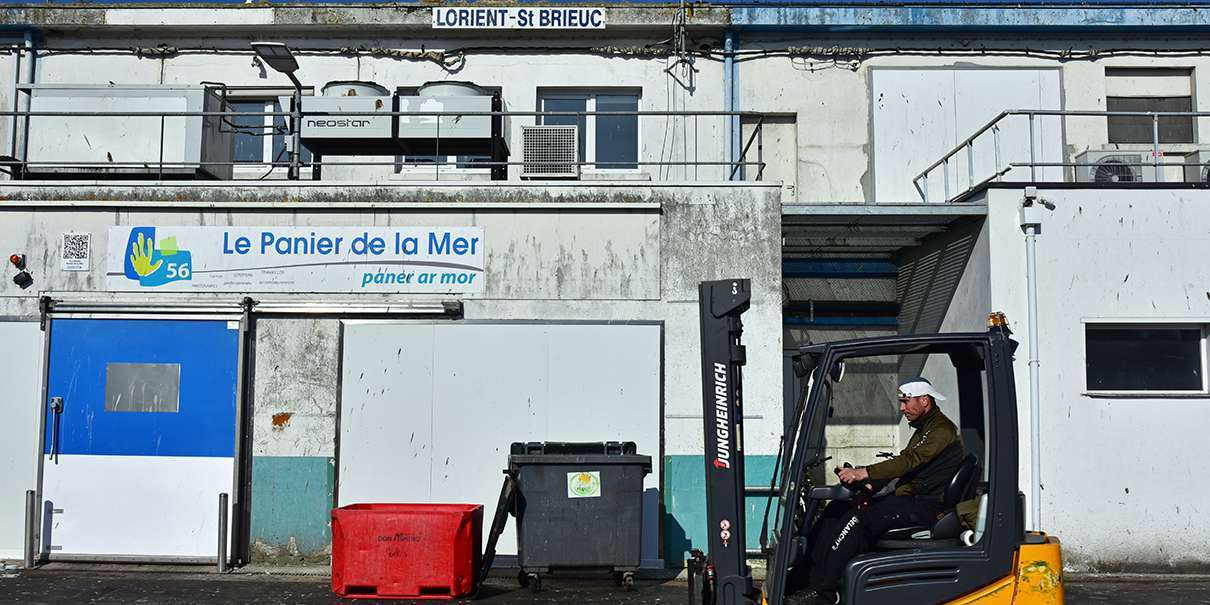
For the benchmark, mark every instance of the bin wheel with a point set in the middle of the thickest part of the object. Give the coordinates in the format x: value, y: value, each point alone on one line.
x: 535, y: 583
x: 628, y: 580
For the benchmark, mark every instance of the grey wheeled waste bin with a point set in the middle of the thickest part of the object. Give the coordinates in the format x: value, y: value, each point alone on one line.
x: 579, y: 507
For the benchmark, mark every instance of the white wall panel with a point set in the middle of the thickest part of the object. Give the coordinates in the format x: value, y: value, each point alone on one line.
x: 384, y: 448
x: 428, y: 411
x: 138, y: 506
x: 920, y: 114
x: 20, y: 406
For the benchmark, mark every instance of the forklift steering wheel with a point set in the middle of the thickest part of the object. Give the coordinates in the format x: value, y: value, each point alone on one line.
x: 862, y: 491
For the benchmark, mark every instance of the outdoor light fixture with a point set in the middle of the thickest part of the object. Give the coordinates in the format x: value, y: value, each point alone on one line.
x: 278, y: 56
x: 18, y: 261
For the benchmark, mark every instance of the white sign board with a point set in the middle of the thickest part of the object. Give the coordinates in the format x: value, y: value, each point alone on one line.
x: 296, y: 259
x: 76, y: 251
x: 537, y: 17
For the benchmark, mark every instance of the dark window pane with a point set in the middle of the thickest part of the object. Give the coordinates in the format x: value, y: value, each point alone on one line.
x: 461, y: 161
x: 423, y: 159
x: 473, y: 161
x: 1144, y: 359
x: 617, y: 136
x: 142, y: 387
x: 1137, y: 129
x: 567, y: 105
x: 249, y: 147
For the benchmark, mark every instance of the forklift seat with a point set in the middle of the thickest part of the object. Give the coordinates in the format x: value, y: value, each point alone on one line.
x: 945, y: 531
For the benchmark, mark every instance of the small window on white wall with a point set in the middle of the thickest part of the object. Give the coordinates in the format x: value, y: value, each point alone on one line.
x: 607, y: 142
x: 1159, y: 90
x: 1145, y: 358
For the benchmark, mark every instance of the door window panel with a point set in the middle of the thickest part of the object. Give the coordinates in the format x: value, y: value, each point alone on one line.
x: 143, y: 387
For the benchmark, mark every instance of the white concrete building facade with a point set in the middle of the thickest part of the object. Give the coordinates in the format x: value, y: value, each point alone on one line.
x: 796, y: 146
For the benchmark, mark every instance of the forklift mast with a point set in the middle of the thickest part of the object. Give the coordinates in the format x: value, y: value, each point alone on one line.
x: 722, y: 303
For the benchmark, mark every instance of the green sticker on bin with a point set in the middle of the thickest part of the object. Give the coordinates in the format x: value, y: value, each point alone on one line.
x: 584, y: 484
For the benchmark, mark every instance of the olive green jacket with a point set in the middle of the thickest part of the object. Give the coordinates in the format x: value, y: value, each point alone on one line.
x: 928, y: 462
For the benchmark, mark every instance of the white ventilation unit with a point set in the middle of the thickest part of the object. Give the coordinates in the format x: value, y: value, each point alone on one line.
x: 550, y: 152
x: 1108, y: 167
x: 1200, y: 173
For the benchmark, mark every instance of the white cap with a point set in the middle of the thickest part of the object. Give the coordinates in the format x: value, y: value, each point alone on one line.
x: 918, y: 386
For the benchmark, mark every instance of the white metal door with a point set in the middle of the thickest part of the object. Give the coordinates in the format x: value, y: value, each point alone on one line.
x: 139, y: 438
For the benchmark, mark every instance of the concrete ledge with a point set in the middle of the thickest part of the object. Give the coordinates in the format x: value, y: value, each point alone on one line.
x: 393, y: 18
x: 461, y: 195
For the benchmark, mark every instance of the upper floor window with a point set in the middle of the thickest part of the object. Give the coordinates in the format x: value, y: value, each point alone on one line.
x: 1145, y: 358
x: 1159, y: 90
x: 261, y: 139
x: 606, y: 142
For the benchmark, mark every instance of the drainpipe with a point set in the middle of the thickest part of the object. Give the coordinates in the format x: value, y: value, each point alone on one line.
x: 1031, y: 224
x: 731, y: 102
x: 21, y: 101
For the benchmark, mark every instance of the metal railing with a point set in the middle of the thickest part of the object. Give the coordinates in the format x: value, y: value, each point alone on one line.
x: 1001, y: 168
x: 700, y: 151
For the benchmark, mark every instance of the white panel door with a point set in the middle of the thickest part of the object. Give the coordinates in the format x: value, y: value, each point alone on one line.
x: 428, y: 411
x: 20, y: 367
x: 914, y: 125
x: 386, y: 424
x: 921, y: 114
x: 984, y: 93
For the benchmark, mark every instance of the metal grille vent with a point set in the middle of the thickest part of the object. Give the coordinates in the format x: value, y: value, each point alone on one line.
x: 1108, y: 168
x: 549, y: 152
x: 1197, y: 167
x: 1114, y: 170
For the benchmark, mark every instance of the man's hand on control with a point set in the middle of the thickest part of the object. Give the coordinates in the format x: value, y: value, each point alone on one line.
x: 852, y: 475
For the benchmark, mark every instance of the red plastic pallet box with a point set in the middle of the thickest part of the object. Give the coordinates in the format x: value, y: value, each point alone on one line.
x: 405, y: 551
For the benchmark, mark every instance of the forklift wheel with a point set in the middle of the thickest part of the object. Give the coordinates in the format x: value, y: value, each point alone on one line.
x: 628, y: 580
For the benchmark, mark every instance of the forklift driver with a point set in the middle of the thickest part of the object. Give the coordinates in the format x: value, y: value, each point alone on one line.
x: 923, y: 468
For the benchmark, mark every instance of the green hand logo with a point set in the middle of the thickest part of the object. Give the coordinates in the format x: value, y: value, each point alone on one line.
x: 140, y: 257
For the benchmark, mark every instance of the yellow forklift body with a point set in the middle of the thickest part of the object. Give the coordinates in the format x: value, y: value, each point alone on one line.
x: 1038, y: 580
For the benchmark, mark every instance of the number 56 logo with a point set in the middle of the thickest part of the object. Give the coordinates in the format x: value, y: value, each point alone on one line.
x: 155, y: 265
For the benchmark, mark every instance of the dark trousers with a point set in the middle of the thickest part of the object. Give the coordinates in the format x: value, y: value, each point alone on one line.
x: 843, y: 532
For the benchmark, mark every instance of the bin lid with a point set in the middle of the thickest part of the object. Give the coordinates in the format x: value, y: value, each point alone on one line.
x: 563, y: 448
x: 582, y: 460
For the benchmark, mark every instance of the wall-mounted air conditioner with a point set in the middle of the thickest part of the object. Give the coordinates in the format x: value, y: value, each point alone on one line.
x: 1201, y: 172
x: 550, y: 152
x: 1109, y: 167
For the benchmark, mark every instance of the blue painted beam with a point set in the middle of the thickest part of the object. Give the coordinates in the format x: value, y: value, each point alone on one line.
x: 949, y: 15
x: 839, y: 269
x: 848, y: 322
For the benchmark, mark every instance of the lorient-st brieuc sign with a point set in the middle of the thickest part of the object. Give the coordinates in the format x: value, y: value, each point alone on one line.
x: 296, y: 259
x: 518, y: 17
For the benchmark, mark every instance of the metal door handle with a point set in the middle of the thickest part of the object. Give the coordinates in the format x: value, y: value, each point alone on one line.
x: 56, y: 408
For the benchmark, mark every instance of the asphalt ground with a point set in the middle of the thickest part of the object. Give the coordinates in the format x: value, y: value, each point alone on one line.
x: 170, y: 588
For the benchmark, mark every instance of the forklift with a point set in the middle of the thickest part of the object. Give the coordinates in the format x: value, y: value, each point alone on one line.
x: 997, y: 562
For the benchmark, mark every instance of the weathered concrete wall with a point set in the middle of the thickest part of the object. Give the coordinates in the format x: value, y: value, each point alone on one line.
x: 624, y: 253
x: 830, y: 92
x: 1113, y: 255
x: 293, y: 437
x: 548, y: 64
x: 822, y: 79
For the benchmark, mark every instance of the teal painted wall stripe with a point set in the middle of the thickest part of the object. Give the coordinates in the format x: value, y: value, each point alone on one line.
x: 292, y: 498
x: 685, y: 504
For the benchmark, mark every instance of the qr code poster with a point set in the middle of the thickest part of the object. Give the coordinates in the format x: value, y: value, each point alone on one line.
x: 76, y: 251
